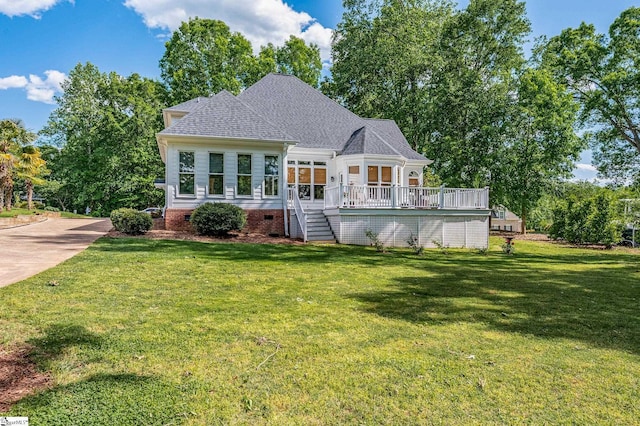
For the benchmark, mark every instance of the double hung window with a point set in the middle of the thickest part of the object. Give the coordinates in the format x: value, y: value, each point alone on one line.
x: 186, y: 173
x: 271, y: 175
x: 216, y: 174
x: 244, y: 174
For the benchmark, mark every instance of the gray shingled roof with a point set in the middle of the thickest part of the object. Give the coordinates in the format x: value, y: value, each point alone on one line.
x: 189, y: 106
x: 366, y: 141
x: 390, y: 131
x: 283, y: 107
x: 224, y: 115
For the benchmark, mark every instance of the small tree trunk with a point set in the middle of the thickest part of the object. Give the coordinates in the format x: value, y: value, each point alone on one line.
x: 524, y: 221
x: 29, y: 186
x: 7, y: 196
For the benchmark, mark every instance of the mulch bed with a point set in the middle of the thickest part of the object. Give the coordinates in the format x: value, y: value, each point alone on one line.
x: 19, y: 376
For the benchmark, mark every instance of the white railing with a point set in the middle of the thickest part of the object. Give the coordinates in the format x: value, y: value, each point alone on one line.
x: 301, y: 215
x: 375, y: 197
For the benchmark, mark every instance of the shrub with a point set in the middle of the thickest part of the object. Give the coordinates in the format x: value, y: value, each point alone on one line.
x: 412, y: 241
x: 375, y: 241
x: 131, y: 221
x: 218, y: 219
x: 51, y: 209
x: 590, y: 221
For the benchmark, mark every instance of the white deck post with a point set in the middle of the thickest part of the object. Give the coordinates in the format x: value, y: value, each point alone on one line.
x: 441, y: 198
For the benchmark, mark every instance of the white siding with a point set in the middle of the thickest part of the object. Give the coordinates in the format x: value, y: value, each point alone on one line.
x: 454, y: 231
x: 254, y: 201
x: 460, y: 230
x: 430, y: 231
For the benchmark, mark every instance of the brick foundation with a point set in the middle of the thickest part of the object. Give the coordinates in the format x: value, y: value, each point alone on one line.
x: 258, y: 221
x: 265, y: 222
x: 174, y: 220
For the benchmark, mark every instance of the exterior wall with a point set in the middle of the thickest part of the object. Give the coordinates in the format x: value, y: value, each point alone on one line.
x: 294, y: 226
x: 400, y: 169
x: 174, y: 219
x: 514, y: 225
x: 265, y: 222
x: 453, y: 229
x: 259, y: 221
x: 230, y: 150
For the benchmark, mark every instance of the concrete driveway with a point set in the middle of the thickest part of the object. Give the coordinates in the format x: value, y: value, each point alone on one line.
x: 28, y: 250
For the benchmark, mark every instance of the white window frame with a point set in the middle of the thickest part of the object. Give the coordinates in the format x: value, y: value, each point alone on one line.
x: 379, y: 173
x: 274, y: 186
x: 209, y: 193
x: 238, y: 175
x: 186, y: 173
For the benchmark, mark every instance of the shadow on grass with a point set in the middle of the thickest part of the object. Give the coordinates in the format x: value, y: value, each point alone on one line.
x: 243, y: 251
x: 338, y: 254
x: 537, y: 295
x: 592, y: 296
x: 58, y: 337
x: 107, y: 399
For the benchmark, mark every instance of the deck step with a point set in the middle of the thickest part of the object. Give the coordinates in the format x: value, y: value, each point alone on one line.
x: 318, y: 228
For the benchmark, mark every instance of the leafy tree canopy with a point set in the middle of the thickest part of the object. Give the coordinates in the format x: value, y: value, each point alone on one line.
x: 603, y: 73
x: 204, y: 57
x: 105, y: 126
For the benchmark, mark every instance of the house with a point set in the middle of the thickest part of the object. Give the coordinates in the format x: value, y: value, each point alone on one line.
x: 502, y: 219
x: 302, y: 165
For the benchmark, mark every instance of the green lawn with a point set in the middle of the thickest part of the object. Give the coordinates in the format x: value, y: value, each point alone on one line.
x: 168, y: 332
x: 15, y: 212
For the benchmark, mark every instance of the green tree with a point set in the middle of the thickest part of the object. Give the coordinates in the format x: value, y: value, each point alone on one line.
x: 31, y: 167
x: 297, y: 58
x: 543, y: 146
x: 13, y: 137
x: 475, y: 93
x: 446, y: 77
x: 204, y: 57
x: 53, y: 189
x: 385, y: 56
x: 603, y: 73
x: 105, y: 126
x: 592, y: 220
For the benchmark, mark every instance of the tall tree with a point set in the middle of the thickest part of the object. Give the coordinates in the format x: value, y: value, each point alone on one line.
x: 543, y: 146
x: 446, y: 77
x: 385, y: 54
x: 297, y: 58
x: 105, y: 125
x: 13, y: 137
x: 204, y: 57
x: 603, y: 73
x: 474, y: 93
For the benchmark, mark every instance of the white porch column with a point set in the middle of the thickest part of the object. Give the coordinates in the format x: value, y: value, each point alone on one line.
x: 285, y: 188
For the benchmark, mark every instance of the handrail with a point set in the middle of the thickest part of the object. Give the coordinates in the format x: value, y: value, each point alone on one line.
x: 301, y: 215
x: 373, y: 197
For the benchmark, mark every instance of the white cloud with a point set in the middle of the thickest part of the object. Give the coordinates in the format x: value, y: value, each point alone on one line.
x: 587, y: 167
x: 37, y: 88
x: 13, y: 82
x: 261, y: 21
x: 26, y: 7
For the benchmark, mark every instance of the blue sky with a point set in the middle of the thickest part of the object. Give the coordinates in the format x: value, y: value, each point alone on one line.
x: 43, y: 39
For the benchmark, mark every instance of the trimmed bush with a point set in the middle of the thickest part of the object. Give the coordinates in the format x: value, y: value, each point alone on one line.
x: 131, y: 221
x: 218, y: 219
x: 590, y: 221
x: 51, y: 209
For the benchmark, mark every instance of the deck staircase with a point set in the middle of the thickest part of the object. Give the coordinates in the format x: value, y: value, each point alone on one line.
x: 318, y: 228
